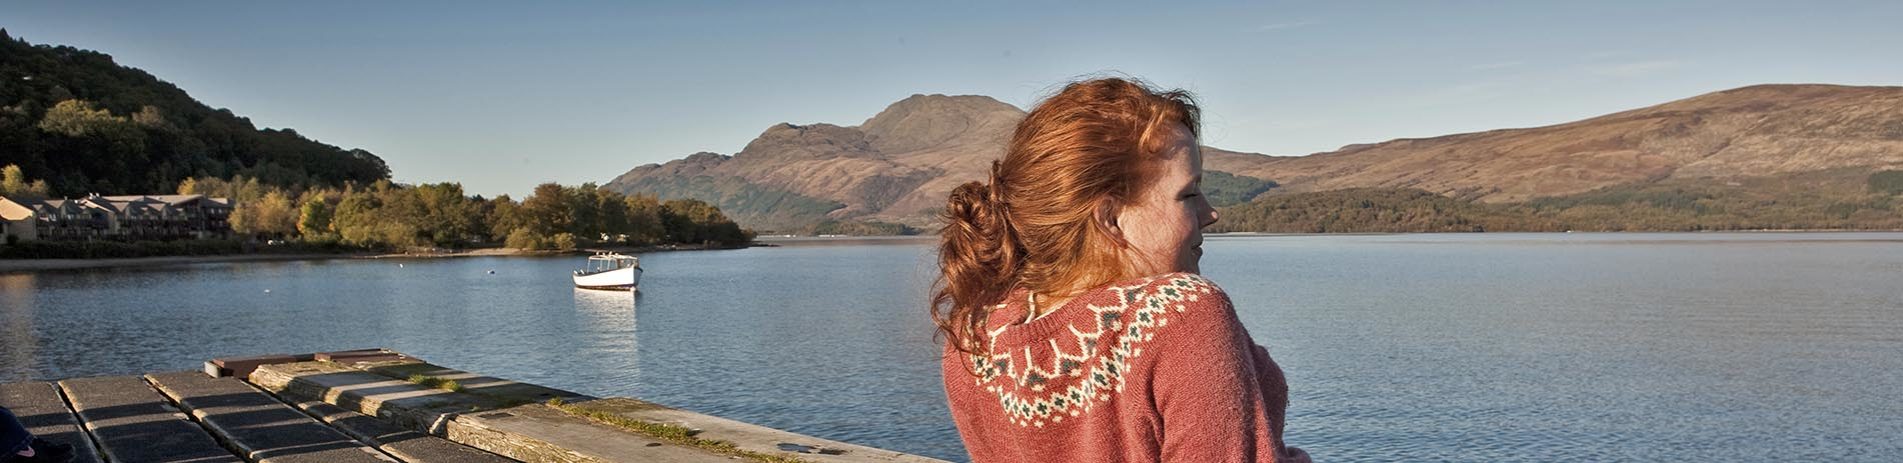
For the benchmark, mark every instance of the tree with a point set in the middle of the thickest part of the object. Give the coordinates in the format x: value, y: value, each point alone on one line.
x: 448, y: 218
x: 78, y: 118
x: 313, y: 218
x: 150, y: 117
x: 547, y: 211
x: 644, y: 219
x: 13, y: 184
x: 694, y: 221
x: 272, y: 215
x: 504, y: 217
x: 99, y: 131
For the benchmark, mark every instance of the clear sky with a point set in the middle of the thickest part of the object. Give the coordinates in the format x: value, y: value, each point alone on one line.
x: 501, y: 96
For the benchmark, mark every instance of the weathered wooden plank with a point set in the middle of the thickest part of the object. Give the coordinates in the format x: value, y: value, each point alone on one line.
x: 257, y: 426
x: 404, y: 444
x: 39, y: 407
x: 132, y: 422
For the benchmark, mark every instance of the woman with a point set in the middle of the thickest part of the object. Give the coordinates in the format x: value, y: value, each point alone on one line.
x: 1077, y: 327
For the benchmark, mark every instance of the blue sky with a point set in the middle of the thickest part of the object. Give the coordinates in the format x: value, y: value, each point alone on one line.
x: 501, y: 96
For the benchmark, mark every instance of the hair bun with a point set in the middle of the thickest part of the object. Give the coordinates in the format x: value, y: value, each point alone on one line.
x: 974, y: 208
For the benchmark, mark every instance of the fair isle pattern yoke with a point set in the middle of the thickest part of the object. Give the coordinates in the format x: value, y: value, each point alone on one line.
x: 1089, y: 373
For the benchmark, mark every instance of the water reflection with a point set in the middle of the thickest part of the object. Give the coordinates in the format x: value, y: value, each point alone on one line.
x: 16, y: 319
x: 611, y: 307
x: 611, y: 327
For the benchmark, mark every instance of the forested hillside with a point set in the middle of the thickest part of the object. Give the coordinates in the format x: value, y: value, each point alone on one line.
x: 85, y: 124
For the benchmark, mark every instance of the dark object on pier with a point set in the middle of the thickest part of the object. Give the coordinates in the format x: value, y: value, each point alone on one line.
x: 241, y: 367
x: 40, y: 409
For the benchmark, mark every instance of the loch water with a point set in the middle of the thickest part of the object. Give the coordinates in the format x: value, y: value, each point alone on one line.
x: 1438, y: 347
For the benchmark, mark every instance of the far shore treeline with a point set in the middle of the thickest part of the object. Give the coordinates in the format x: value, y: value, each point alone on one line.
x: 384, y: 215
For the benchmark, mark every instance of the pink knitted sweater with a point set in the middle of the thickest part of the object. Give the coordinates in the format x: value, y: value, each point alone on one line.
x: 1150, y: 369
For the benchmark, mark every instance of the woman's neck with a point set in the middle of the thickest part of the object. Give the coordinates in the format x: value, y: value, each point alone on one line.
x: 1041, y: 305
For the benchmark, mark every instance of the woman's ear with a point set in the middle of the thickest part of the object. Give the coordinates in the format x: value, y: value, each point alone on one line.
x: 1107, y: 222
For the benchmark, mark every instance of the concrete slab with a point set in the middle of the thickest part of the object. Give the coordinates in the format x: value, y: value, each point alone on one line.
x: 360, y: 355
x: 40, y: 407
x: 404, y: 444
x: 491, y: 414
x: 506, y: 390
x: 748, y: 436
x: 258, y: 426
x: 408, y: 405
x: 131, y: 422
x: 531, y: 433
x: 540, y: 433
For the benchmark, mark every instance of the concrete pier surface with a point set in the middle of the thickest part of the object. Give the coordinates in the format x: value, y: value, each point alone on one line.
x: 377, y: 405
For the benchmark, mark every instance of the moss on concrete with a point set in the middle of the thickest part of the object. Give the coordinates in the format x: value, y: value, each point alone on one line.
x: 672, y: 433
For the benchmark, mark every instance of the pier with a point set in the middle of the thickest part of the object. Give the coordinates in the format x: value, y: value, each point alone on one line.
x: 377, y: 405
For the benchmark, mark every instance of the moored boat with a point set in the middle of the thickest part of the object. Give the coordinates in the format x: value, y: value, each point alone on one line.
x: 610, y: 271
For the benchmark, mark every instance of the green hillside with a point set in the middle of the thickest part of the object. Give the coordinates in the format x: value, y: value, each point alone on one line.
x: 763, y: 208
x: 88, y: 125
x: 1820, y: 200
x: 1224, y: 189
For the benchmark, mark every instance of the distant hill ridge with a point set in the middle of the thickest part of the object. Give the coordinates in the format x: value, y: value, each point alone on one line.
x: 898, y: 165
x: 1756, y: 131
x: 885, y: 168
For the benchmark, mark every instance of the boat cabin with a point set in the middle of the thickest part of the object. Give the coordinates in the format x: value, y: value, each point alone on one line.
x: 605, y: 262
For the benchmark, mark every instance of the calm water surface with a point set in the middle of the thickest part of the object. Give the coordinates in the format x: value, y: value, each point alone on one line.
x: 1530, y: 347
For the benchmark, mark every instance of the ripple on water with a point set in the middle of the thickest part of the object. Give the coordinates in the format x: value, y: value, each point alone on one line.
x: 1397, y: 348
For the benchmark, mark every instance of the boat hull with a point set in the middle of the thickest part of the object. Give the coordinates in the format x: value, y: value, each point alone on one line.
x: 621, y: 279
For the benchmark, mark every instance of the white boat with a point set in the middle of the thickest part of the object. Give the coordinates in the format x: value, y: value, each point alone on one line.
x: 610, y: 271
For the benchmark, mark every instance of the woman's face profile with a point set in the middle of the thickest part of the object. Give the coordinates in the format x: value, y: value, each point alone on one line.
x: 1164, y: 225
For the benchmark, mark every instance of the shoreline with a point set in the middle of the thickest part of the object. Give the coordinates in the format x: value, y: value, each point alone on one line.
x: 42, y: 265
x: 39, y: 265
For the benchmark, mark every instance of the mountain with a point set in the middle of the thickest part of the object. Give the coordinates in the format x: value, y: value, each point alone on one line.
x: 88, y: 125
x: 896, y: 166
x: 1720, y: 160
x: 1757, y: 131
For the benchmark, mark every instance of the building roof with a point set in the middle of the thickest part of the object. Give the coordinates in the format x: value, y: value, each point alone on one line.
x: 167, y: 199
x: 11, y: 210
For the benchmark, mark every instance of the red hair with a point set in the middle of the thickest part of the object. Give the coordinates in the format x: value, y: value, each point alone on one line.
x: 1087, y: 150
